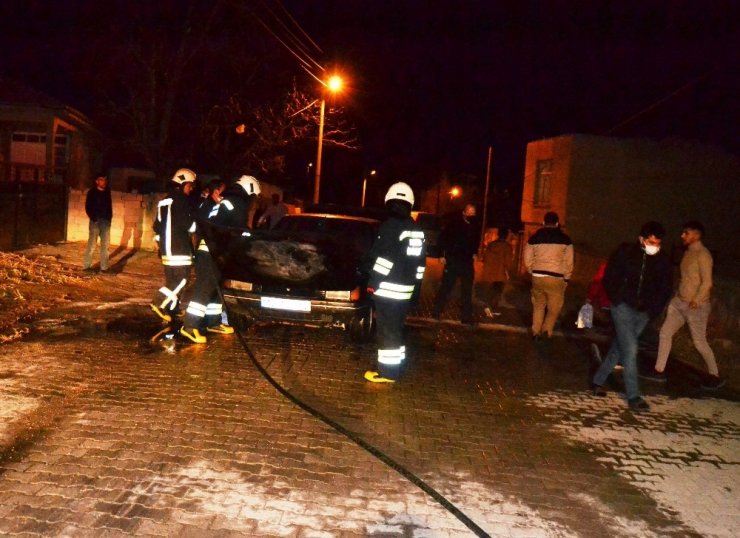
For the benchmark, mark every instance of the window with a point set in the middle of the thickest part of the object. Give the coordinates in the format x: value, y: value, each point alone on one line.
x: 542, y: 182
x: 28, y: 148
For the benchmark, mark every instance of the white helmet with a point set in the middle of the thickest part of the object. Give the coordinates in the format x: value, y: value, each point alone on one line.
x: 400, y: 191
x: 183, y: 175
x: 249, y: 184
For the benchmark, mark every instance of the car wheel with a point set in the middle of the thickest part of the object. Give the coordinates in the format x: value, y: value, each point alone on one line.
x: 362, y: 328
x: 240, y: 322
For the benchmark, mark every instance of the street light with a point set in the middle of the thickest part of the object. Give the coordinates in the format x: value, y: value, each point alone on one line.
x: 455, y: 192
x: 334, y: 84
x: 364, y: 187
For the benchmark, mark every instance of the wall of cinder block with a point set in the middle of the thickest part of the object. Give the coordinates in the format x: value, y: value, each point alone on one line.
x: 133, y: 215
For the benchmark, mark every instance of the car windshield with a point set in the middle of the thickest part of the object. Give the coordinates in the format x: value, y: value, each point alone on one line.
x: 359, y: 233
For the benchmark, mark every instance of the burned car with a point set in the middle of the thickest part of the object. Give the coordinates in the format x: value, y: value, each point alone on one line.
x: 304, y: 271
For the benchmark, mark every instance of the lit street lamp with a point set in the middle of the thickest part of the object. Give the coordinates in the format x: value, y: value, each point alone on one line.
x: 334, y: 85
x: 364, y: 187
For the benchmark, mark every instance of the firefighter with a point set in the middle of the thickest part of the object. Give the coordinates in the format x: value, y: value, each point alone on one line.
x: 173, y: 227
x: 396, y: 264
x: 205, y: 305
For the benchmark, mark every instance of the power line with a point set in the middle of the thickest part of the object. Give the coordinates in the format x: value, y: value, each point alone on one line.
x: 294, y: 38
x: 304, y: 58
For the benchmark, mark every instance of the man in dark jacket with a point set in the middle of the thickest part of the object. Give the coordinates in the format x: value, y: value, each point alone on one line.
x: 638, y: 282
x: 173, y: 227
x: 205, y: 307
x: 396, y: 263
x: 99, y: 209
x: 459, y: 243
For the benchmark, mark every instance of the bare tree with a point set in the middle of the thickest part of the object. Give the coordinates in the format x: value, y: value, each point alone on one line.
x: 259, y: 137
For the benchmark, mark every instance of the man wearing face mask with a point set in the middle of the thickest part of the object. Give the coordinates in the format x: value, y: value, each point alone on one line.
x: 638, y: 283
x: 459, y: 243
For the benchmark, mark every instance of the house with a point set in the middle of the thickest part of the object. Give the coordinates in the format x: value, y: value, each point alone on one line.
x: 605, y: 188
x: 43, y: 140
x: 46, y: 147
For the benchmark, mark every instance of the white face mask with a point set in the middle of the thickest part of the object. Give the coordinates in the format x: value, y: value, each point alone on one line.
x: 651, y: 250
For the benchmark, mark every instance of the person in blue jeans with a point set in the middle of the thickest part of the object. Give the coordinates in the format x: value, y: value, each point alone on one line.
x: 638, y: 281
x: 99, y: 209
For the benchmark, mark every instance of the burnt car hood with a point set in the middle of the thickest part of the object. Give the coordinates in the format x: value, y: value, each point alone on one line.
x: 279, y: 258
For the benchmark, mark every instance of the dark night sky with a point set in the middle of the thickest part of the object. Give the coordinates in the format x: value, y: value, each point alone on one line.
x: 435, y: 82
x: 440, y: 81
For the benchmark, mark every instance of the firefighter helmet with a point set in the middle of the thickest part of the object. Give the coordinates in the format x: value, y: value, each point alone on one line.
x: 400, y: 191
x: 249, y: 184
x: 183, y: 175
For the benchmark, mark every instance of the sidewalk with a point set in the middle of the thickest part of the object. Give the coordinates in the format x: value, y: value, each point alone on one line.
x: 516, y: 315
x: 136, y: 275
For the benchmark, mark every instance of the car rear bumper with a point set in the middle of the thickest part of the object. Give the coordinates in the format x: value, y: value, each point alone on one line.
x: 323, y: 313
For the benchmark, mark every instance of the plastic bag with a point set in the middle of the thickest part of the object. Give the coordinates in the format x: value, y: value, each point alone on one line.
x: 585, y: 318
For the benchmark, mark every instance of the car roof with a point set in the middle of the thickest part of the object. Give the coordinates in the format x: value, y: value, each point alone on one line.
x: 333, y: 216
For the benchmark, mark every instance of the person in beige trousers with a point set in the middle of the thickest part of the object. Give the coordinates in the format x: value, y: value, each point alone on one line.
x: 691, y: 305
x: 548, y: 257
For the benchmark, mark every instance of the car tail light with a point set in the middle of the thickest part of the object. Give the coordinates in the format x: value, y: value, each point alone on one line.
x: 237, y: 285
x: 355, y: 294
x: 338, y: 295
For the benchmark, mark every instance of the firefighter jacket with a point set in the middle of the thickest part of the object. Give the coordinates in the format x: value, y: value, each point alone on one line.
x: 397, y: 259
x: 202, y: 215
x: 234, y: 208
x: 172, y: 228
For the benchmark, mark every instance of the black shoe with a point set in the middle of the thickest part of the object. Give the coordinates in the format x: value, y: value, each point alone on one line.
x: 638, y: 405
x: 658, y: 377
x: 712, y: 382
x: 89, y: 270
x: 598, y: 390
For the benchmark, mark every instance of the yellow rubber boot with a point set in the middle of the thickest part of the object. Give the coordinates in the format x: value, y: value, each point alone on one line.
x: 374, y: 377
x: 166, y: 317
x: 221, y: 329
x: 193, y: 335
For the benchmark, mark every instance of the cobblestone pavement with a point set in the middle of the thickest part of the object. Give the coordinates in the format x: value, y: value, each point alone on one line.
x: 105, y: 433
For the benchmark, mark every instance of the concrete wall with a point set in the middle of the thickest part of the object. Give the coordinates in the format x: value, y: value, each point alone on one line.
x: 133, y: 215
x: 604, y: 189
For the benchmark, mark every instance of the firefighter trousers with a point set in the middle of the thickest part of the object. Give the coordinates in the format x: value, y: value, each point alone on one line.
x: 390, y: 317
x: 175, y: 279
x: 205, y: 307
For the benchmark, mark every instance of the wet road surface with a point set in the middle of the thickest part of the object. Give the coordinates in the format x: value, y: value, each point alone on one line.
x: 118, y: 435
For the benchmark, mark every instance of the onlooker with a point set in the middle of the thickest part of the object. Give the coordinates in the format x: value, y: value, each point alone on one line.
x: 459, y: 243
x: 548, y: 257
x: 496, y: 262
x: 274, y: 213
x: 691, y: 305
x: 99, y: 209
x: 637, y: 280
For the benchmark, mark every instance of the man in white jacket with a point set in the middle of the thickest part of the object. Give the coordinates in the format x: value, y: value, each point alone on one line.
x: 548, y: 257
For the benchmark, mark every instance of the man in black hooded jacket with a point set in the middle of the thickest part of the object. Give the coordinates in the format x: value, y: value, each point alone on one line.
x: 638, y: 281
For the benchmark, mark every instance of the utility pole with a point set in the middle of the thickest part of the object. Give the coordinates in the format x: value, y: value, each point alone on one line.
x: 485, y: 199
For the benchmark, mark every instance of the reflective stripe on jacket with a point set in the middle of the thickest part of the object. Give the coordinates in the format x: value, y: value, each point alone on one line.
x: 173, y: 226
x: 397, y: 259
